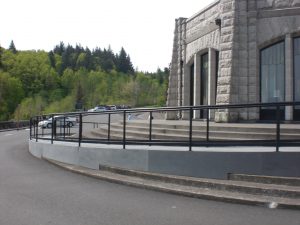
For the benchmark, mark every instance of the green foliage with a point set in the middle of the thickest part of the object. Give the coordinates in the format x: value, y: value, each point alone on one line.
x: 64, y: 105
x: 1, y: 53
x: 11, y: 93
x: 37, y: 82
x: 29, y: 107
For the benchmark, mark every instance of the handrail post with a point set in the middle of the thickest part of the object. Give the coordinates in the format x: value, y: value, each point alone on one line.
x: 60, y: 128
x: 30, y: 127
x: 124, y: 129
x: 277, y: 128
x: 150, y: 128
x: 108, y: 130
x: 42, y: 131
x: 64, y: 128
x: 207, y: 125
x: 52, y: 129
x: 37, y: 129
x: 191, y: 129
x: 33, y: 126
x: 80, y: 130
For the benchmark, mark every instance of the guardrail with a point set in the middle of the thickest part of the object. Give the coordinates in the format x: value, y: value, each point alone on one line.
x: 63, y: 132
x: 10, y: 125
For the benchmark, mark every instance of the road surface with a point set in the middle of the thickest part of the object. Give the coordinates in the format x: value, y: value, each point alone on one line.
x: 34, y: 192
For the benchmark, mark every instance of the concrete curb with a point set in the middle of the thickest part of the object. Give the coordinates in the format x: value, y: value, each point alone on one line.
x: 14, y: 129
x: 185, y: 191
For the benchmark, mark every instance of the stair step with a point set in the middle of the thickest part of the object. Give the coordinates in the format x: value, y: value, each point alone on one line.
x: 118, y: 133
x: 213, y: 133
x: 249, y: 127
x: 190, y: 191
x: 228, y: 185
x: 291, y: 181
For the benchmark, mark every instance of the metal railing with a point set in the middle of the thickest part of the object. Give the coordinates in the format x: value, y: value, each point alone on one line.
x: 13, y: 125
x: 77, y: 133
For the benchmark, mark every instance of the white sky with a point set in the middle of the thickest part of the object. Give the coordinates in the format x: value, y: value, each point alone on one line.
x: 144, y: 28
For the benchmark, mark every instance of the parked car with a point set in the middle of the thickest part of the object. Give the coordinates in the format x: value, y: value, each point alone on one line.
x: 112, y: 107
x: 60, y: 121
x: 98, y: 109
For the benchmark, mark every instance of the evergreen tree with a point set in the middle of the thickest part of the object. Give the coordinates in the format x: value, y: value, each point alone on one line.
x: 108, y: 60
x: 88, y: 59
x: 52, y: 59
x: 124, y: 64
x: 59, y: 49
x: 96, y: 59
x: 12, y: 47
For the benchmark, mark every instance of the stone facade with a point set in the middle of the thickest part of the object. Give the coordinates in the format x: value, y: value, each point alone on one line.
x: 236, y: 31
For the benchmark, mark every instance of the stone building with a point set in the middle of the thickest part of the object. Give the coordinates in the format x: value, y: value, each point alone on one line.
x: 237, y: 51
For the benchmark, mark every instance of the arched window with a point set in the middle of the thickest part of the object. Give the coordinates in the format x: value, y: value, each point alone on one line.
x: 272, y: 77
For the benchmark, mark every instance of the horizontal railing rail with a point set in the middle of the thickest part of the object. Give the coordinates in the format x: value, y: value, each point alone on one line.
x: 61, y: 129
x: 10, y: 125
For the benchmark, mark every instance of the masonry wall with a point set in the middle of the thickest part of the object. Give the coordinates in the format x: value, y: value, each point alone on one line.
x: 175, y: 93
x: 246, y: 27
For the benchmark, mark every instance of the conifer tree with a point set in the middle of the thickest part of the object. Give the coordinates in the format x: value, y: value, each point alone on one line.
x: 124, y: 64
x: 52, y: 59
x: 12, y: 47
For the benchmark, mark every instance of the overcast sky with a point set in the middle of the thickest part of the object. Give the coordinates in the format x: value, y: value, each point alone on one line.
x: 144, y: 28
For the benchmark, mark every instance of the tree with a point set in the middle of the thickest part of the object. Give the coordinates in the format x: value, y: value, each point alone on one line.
x: 59, y: 49
x: 107, y: 60
x: 12, y: 47
x: 11, y: 93
x: 124, y: 64
x: 1, y: 52
x: 52, y: 59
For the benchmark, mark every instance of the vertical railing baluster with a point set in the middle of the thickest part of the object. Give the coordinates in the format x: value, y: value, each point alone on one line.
x: 191, y: 129
x: 42, y: 130
x: 124, y: 129
x: 80, y: 130
x: 277, y: 128
x: 37, y: 129
x: 150, y: 128
x: 64, y: 127
x: 108, y: 130
x: 33, y: 124
x: 30, y: 127
x: 52, y: 128
x: 207, y: 126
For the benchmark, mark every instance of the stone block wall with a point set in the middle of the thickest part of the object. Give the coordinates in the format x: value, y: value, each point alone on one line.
x: 246, y: 27
x: 175, y: 79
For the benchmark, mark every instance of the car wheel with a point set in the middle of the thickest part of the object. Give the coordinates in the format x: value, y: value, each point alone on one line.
x: 70, y: 124
x: 49, y: 125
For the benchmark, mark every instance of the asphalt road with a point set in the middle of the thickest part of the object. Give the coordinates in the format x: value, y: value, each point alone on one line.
x: 34, y: 192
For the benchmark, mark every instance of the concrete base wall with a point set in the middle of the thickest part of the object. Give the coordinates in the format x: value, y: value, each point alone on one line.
x: 197, y: 164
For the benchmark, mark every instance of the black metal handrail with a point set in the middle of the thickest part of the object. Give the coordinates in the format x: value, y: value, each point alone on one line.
x: 13, y: 125
x: 77, y: 136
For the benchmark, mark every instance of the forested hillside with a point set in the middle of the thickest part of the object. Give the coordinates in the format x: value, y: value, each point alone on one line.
x: 36, y: 82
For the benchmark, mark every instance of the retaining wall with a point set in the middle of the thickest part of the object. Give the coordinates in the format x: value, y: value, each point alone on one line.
x: 197, y: 164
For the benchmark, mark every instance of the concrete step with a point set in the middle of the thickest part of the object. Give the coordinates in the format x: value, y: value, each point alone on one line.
x: 182, y: 135
x: 291, y: 181
x: 237, y: 127
x: 186, y: 186
x: 234, y: 186
x: 132, y: 134
x: 212, y: 133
